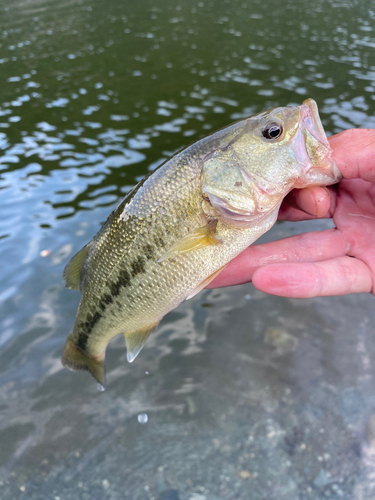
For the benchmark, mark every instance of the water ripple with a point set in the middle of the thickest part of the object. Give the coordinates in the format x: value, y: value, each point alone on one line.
x: 92, y: 99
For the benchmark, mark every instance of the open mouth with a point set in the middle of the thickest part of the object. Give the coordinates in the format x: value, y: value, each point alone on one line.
x: 311, y: 120
x: 311, y: 147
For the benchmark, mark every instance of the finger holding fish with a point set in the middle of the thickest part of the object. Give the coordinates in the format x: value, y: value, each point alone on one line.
x: 311, y: 247
x: 306, y: 204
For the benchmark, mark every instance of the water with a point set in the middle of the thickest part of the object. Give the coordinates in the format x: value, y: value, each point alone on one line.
x: 143, y: 418
x: 246, y: 395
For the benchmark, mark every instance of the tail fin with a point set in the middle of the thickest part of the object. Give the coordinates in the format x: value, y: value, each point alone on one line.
x: 76, y: 360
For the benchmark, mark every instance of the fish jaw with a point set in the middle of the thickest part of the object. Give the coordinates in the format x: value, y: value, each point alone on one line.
x: 242, y: 218
x: 312, y: 150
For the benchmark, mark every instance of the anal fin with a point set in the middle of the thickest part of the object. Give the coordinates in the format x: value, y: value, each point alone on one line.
x: 76, y: 360
x: 204, y: 283
x: 200, y: 238
x: 136, y: 340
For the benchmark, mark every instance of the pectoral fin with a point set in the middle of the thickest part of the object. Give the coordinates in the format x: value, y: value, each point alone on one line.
x: 136, y: 340
x: 76, y: 360
x: 72, y: 271
x: 204, y: 283
x: 200, y: 238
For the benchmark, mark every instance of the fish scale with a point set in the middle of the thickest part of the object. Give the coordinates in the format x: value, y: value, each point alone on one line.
x: 180, y: 226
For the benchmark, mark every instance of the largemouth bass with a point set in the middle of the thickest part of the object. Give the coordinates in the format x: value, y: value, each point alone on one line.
x: 177, y: 229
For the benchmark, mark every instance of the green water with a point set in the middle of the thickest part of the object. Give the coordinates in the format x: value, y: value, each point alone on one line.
x: 94, y: 94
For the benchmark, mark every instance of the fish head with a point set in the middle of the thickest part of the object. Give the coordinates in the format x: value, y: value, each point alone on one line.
x: 265, y: 157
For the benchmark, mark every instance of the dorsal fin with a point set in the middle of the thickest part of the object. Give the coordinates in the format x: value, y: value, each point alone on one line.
x: 72, y: 270
x: 136, y: 340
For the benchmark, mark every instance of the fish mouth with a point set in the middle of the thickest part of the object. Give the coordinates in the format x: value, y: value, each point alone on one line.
x: 310, y: 117
x: 240, y: 217
x: 311, y: 148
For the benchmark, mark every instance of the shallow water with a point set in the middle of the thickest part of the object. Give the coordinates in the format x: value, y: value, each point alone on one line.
x: 237, y: 395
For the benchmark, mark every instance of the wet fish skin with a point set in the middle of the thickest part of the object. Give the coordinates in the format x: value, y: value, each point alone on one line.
x: 182, y: 224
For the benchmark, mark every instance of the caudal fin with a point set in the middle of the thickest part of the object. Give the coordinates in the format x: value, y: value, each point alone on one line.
x: 74, y: 359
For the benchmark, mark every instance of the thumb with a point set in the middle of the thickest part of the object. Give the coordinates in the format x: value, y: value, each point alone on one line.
x: 354, y: 152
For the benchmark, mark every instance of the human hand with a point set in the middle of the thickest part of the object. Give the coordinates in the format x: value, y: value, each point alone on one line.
x: 332, y: 262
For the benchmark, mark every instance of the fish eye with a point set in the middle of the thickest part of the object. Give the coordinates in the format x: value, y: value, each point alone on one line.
x: 272, y: 130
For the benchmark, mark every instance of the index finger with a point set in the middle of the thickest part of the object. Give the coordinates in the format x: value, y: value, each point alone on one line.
x: 307, y: 247
x: 354, y: 152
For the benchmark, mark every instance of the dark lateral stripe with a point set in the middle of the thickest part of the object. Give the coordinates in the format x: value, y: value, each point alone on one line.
x: 87, y: 328
x: 123, y: 281
x: 82, y: 340
x: 148, y: 250
x: 159, y: 242
x: 107, y: 299
x: 138, y: 266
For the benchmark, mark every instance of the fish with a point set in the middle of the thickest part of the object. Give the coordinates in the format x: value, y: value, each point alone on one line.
x: 181, y: 225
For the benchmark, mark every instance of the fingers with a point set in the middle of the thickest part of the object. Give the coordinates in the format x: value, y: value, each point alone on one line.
x: 308, y: 247
x: 354, y: 152
x: 305, y: 280
x: 305, y: 204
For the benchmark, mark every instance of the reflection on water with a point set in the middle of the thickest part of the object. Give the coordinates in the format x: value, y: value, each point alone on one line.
x: 237, y: 395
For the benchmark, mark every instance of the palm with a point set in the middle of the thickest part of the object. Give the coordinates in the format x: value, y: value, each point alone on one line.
x: 354, y: 218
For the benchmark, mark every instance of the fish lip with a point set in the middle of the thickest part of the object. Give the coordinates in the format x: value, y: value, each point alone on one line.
x: 309, y: 115
x: 232, y: 216
x: 310, y: 123
x: 235, y: 216
x: 226, y: 210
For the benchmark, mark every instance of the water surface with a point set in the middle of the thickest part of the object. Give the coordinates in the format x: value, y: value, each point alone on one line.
x: 237, y: 395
